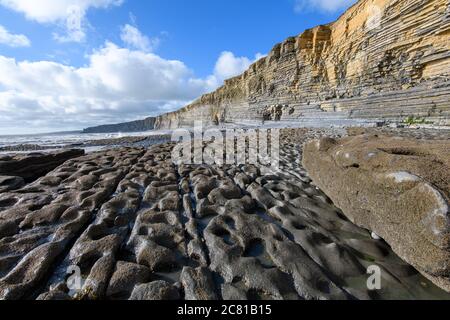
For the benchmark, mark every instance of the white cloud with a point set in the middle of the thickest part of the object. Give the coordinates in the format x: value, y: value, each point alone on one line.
x: 132, y: 37
x: 54, y: 10
x: 13, y: 40
x: 228, y: 65
x: 68, y: 13
x: 329, y: 6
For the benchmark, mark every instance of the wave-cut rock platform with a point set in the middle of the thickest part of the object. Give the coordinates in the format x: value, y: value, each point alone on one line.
x: 137, y: 226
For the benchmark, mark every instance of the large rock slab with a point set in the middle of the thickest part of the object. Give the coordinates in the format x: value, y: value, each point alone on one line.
x: 397, y: 188
x: 35, y: 165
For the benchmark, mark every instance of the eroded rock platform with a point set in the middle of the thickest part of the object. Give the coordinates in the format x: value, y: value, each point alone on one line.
x: 140, y: 227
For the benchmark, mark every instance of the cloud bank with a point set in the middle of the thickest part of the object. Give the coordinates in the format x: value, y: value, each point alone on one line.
x: 118, y: 84
x: 133, y: 37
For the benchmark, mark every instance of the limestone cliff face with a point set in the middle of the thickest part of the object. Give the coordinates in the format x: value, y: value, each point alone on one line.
x: 382, y: 59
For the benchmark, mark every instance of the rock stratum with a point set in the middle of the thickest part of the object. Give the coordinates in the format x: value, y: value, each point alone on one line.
x: 382, y: 59
x: 32, y: 166
x: 398, y: 188
x: 133, y: 126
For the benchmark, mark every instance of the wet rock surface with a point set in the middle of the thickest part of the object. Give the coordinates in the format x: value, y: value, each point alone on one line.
x: 140, y: 141
x: 397, y: 187
x: 8, y: 183
x: 35, y: 165
x: 134, y: 225
x: 26, y: 147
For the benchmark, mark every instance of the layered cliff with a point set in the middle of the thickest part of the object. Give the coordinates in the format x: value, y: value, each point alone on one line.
x: 382, y: 59
x: 133, y: 126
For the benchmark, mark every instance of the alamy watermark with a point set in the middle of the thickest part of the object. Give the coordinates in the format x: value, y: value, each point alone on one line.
x: 226, y: 147
x: 374, y: 280
x: 74, y: 280
x: 375, y: 17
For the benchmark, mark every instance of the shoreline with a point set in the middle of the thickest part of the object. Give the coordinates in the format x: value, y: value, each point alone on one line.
x: 160, y: 136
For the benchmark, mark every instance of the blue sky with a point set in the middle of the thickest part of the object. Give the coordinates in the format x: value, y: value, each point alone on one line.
x: 68, y: 64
